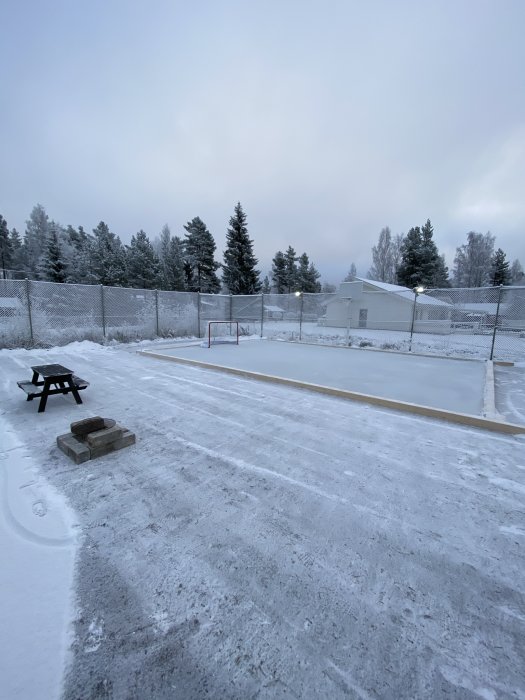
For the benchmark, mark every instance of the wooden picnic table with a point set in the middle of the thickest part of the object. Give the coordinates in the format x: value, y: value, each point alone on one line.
x: 61, y: 378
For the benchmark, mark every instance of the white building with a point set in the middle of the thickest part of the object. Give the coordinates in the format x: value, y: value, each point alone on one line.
x: 367, y: 303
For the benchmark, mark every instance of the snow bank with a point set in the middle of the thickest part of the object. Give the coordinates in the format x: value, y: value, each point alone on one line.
x: 38, y: 543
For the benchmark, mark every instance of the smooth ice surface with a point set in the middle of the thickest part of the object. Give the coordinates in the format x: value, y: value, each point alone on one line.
x: 455, y: 385
x: 510, y: 394
x: 261, y: 541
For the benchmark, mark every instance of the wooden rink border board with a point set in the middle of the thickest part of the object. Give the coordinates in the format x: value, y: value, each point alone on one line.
x: 417, y: 409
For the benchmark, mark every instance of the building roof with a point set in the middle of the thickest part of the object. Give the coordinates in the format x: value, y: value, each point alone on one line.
x: 10, y: 303
x: 402, y: 292
x: 481, y: 307
x: 268, y: 307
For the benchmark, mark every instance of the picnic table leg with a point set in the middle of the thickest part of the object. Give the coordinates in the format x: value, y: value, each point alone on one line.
x: 43, y: 399
x: 74, y: 390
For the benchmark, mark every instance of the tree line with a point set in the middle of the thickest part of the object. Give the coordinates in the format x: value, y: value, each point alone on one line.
x: 53, y: 253
x: 413, y: 259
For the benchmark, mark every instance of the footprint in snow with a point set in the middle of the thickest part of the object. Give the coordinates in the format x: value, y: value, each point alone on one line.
x: 39, y: 508
x: 94, y: 636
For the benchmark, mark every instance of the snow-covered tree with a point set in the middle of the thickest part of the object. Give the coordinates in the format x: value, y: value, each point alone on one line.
x: 279, y: 272
x: 240, y: 275
x: 290, y: 261
x: 142, y: 262
x: 109, y: 257
x: 17, y: 251
x: 266, y: 289
x: 434, y: 270
x: 171, y: 257
x: 200, y: 264
x: 328, y: 288
x: 6, y: 249
x: 382, y: 268
x: 396, y: 247
x: 500, y: 271
x: 52, y: 265
x: 517, y: 274
x: 473, y: 261
x: 80, y: 253
x: 35, y: 238
x: 409, y: 273
x: 352, y: 274
x: 386, y: 257
x: 420, y: 262
x: 177, y: 264
x: 307, y: 276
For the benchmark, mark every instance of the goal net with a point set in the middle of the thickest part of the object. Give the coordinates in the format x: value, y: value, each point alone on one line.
x: 223, y: 332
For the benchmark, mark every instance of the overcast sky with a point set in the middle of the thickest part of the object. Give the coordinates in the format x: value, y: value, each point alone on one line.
x: 327, y: 120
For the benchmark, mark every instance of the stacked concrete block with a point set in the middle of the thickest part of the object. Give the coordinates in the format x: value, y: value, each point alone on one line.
x: 94, y: 437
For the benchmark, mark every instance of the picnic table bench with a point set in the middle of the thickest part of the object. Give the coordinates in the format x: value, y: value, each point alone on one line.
x: 61, y: 378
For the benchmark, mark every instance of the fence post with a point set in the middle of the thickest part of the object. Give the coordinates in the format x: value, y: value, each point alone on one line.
x: 262, y: 313
x: 103, y: 306
x: 29, y: 310
x: 496, y: 322
x: 157, y: 310
x: 231, y: 306
x: 199, y: 314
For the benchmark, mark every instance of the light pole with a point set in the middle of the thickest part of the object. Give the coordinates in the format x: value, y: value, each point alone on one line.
x: 348, y: 317
x: 417, y: 290
x: 300, y: 294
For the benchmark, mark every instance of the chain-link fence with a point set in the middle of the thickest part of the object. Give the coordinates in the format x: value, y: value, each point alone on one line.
x: 480, y: 322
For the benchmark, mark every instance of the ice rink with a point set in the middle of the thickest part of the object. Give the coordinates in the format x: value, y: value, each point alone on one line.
x: 444, y: 383
x: 257, y: 540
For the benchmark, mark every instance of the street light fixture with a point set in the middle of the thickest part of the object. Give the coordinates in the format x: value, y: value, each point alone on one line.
x: 417, y: 290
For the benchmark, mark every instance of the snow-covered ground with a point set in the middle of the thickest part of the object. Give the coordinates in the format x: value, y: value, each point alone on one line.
x: 260, y: 541
x: 37, y: 545
x: 508, y: 346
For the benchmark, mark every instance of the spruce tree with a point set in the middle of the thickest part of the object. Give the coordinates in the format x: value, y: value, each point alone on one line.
x: 434, y: 273
x: 109, y: 257
x: 500, y: 272
x: 171, y: 255
x: 266, y: 289
x: 52, y: 266
x: 177, y: 264
x: 290, y: 259
x: 307, y: 276
x: 420, y: 262
x: 279, y: 272
x: 409, y: 273
x: 142, y: 262
x: 199, y: 252
x: 17, y: 259
x: 6, y: 249
x: 352, y: 273
x: 240, y: 275
x: 81, y: 247
x: 164, y: 247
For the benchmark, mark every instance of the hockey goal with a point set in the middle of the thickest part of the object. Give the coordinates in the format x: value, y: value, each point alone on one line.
x: 223, y: 332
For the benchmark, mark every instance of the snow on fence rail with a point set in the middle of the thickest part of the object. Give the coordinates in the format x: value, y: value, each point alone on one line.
x: 479, y: 322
